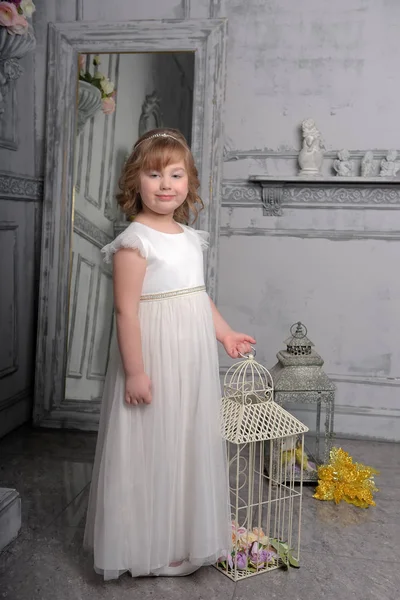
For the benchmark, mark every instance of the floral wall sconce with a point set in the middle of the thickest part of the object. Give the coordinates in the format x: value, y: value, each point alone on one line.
x: 95, y: 91
x: 16, y: 40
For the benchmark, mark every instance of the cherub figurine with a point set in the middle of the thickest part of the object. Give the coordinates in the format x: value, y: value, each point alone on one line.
x: 389, y: 165
x: 343, y: 166
x: 367, y: 164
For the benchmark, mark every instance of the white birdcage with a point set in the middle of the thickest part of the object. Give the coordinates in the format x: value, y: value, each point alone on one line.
x: 265, y: 490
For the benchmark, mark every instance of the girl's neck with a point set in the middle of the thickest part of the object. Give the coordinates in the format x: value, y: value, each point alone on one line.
x: 164, y: 223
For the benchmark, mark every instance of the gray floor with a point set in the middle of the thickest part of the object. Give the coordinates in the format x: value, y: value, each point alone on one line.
x: 347, y: 553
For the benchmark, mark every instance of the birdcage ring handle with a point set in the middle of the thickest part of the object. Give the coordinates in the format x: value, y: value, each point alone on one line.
x: 253, y: 353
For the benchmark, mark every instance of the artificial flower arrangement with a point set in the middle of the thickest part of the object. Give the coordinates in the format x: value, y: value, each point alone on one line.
x: 253, y: 551
x: 14, y: 15
x: 101, y: 82
x: 342, y: 479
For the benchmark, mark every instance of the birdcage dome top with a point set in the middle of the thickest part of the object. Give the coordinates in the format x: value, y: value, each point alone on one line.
x: 248, y: 381
x: 248, y: 411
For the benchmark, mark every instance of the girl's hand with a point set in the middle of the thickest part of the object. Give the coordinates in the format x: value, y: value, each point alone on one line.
x: 237, y: 343
x: 138, y: 389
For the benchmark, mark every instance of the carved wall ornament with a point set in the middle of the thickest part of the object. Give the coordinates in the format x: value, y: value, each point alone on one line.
x: 21, y: 187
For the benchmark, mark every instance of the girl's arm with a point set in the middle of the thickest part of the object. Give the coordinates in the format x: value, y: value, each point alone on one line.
x: 128, y: 276
x: 234, y: 343
x: 222, y: 329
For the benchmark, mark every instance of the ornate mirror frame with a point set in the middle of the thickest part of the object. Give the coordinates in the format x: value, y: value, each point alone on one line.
x: 207, y: 39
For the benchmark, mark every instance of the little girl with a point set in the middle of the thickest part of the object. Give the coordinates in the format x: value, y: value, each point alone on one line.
x: 159, y: 501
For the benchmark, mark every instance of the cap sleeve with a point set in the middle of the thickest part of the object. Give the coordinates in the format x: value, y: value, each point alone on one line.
x: 201, y: 236
x: 127, y: 239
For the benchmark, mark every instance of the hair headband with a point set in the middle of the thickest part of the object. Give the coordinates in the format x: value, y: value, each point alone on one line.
x: 159, y: 135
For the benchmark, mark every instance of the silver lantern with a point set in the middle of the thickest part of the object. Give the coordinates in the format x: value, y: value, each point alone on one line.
x: 298, y: 378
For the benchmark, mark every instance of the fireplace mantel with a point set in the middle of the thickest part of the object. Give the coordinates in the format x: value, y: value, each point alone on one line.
x: 349, y: 191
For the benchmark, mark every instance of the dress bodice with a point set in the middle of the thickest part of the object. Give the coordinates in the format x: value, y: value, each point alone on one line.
x: 174, y: 260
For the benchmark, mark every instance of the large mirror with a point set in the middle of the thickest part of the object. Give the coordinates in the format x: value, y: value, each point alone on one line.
x: 107, y: 85
x: 120, y: 97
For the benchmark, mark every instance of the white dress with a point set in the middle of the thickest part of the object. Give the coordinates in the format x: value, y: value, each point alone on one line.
x: 159, y: 489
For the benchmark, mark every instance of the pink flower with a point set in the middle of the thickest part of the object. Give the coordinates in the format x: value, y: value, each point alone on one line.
x: 108, y: 105
x: 10, y: 18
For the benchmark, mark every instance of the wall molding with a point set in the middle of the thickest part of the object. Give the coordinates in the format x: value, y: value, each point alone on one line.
x: 355, y: 196
x: 11, y: 341
x: 21, y: 187
x: 326, y: 234
x: 365, y: 379
x: 90, y: 373
x: 355, y: 411
x: 83, y: 335
x: 89, y: 231
x: 350, y: 378
x: 20, y: 396
x: 9, y: 119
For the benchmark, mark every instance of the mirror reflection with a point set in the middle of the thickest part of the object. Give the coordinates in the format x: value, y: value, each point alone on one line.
x: 120, y: 97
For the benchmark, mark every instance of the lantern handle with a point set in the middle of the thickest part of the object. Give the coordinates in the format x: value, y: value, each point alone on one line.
x: 248, y: 354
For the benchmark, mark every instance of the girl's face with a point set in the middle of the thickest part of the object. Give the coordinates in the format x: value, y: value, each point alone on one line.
x: 162, y: 192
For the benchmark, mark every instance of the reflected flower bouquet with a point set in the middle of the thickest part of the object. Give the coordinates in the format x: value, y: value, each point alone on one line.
x: 253, y: 551
x: 14, y: 15
x: 100, y: 81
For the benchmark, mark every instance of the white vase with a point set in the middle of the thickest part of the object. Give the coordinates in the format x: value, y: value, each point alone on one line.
x: 89, y: 102
x: 310, y: 161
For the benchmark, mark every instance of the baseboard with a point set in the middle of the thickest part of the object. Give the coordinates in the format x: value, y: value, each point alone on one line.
x: 15, y: 411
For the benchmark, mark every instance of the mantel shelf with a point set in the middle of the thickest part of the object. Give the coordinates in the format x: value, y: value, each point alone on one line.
x: 268, y: 179
x: 273, y: 188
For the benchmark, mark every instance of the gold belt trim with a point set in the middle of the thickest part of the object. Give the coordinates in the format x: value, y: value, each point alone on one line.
x: 174, y: 294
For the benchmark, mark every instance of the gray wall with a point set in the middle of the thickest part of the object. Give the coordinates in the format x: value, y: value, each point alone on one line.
x: 331, y: 259
x: 327, y: 262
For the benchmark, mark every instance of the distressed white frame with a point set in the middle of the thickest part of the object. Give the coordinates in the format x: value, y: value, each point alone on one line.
x: 207, y: 39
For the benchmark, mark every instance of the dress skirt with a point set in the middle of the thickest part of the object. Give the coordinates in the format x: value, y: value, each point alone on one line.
x: 159, y: 491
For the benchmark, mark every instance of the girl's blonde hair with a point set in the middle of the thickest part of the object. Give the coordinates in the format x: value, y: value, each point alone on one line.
x: 154, y: 151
